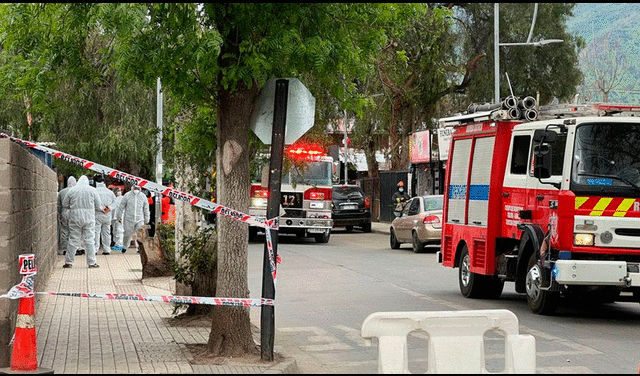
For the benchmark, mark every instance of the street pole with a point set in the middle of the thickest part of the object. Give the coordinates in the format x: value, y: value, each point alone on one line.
x: 497, y: 44
x: 267, y: 318
x: 345, y: 147
x: 160, y: 97
x: 496, y: 53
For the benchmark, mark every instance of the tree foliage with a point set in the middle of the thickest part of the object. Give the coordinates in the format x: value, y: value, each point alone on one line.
x: 550, y: 70
x: 57, y: 60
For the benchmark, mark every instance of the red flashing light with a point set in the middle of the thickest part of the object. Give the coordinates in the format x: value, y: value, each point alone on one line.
x: 305, y: 151
x: 258, y: 191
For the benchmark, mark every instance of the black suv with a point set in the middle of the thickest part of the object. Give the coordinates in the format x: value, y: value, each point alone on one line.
x: 350, y: 207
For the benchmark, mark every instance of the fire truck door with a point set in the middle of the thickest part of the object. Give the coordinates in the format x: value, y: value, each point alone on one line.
x: 541, y: 193
x: 515, y: 183
x: 457, y: 193
x: 479, y: 181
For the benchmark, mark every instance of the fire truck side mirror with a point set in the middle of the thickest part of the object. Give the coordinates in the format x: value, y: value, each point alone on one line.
x: 542, y: 165
x: 542, y: 135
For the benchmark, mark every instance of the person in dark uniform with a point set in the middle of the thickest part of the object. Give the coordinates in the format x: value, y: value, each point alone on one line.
x: 399, y: 198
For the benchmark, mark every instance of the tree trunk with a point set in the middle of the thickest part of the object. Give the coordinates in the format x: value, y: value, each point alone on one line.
x: 186, y: 218
x: 231, y: 326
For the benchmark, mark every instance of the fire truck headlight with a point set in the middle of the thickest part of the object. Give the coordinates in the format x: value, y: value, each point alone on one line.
x: 583, y: 239
x: 258, y: 202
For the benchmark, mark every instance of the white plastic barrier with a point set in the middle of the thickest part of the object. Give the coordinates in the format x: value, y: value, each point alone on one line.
x: 455, y: 343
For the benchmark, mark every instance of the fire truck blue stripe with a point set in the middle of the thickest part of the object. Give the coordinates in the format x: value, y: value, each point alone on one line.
x: 457, y: 191
x: 479, y: 192
x: 476, y: 192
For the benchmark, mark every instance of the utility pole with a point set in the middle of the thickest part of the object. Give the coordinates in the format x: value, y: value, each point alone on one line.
x: 345, y: 147
x: 267, y: 315
x: 159, y: 172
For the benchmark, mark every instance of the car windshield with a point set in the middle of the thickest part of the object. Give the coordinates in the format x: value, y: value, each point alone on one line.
x: 607, y: 155
x: 432, y: 203
x: 314, y: 173
x: 343, y: 193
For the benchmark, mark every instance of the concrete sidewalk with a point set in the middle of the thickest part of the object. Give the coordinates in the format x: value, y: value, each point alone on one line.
x: 89, y: 335
x: 380, y: 227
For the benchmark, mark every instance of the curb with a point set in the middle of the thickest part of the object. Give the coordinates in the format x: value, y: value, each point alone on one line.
x: 287, y: 366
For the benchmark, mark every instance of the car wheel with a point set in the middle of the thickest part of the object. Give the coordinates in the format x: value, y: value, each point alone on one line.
x: 323, y: 238
x: 348, y: 228
x: 393, y: 241
x: 540, y: 301
x: 418, y: 246
x: 366, y: 228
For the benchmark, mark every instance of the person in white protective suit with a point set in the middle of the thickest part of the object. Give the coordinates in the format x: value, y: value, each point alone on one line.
x: 63, y: 216
x: 82, y: 201
x: 134, y: 211
x: 116, y: 223
x: 103, y: 220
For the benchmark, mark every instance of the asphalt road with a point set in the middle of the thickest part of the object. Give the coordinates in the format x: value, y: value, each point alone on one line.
x: 325, y: 291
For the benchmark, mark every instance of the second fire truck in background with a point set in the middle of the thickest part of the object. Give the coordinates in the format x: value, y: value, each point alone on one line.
x: 306, y: 189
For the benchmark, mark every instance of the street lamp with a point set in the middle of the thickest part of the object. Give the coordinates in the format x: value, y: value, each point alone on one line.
x: 497, y: 44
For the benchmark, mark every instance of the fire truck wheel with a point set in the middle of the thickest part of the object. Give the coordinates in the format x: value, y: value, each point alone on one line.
x: 323, y: 238
x: 418, y: 246
x: 540, y: 301
x: 470, y: 283
x: 393, y: 241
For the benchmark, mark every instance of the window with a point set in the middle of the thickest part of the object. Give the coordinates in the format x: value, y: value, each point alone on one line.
x: 557, y: 154
x: 414, y: 207
x: 520, y: 155
x: 432, y: 203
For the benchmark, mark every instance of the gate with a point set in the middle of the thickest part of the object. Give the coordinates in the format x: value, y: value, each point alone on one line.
x: 388, y: 182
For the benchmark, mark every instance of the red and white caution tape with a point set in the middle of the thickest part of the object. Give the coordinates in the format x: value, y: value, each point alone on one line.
x: 158, y: 188
x: 235, y: 302
x: 22, y: 290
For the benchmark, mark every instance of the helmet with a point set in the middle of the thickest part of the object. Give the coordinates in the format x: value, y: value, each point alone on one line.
x: 400, y: 183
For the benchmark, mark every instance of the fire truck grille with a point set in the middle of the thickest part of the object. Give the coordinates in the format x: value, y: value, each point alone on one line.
x: 292, y: 213
x: 628, y: 231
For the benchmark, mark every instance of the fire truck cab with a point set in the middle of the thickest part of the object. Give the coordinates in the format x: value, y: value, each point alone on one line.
x: 306, y: 193
x: 552, y: 205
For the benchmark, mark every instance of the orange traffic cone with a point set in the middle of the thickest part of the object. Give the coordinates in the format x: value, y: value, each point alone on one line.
x: 24, y: 355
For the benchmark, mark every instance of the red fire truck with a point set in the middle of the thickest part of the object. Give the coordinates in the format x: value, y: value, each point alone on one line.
x: 306, y: 191
x: 552, y: 205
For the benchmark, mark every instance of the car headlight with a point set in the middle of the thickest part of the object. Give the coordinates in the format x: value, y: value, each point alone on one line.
x: 583, y: 239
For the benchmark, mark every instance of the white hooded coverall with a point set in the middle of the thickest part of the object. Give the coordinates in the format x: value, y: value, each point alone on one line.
x: 116, y: 223
x: 103, y: 220
x: 134, y: 211
x: 63, y: 216
x: 82, y: 201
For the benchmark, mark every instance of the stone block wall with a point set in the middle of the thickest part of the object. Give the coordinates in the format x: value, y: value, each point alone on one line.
x: 28, y: 224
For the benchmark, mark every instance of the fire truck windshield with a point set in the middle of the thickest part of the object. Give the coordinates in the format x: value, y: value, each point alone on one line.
x: 607, y: 158
x: 314, y: 173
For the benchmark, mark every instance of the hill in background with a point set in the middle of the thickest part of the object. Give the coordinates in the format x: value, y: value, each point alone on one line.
x: 612, y: 27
